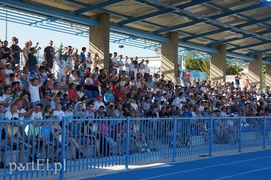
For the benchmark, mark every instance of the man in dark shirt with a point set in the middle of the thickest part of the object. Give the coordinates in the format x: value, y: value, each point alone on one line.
x: 16, y: 50
x: 127, y: 107
x: 49, y: 54
x: 237, y: 80
x: 5, y: 51
x: 32, y: 59
x: 103, y: 78
x: 45, y: 90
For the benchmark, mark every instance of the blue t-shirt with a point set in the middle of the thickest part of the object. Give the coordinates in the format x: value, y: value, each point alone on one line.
x: 108, y: 97
x: 46, y: 131
x: 185, y: 121
x: 83, y: 57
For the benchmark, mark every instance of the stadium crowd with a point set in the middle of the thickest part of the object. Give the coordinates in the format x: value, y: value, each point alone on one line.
x: 70, y: 85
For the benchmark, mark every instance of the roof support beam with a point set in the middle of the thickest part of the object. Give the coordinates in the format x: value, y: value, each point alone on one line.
x: 266, y: 62
x: 250, y: 45
x: 138, y: 33
x: 212, y: 21
x: 234, y: 39
x: 259, y: 52
x: 163, y: 11
x: 212, y: 17
x: 125, y: 39
x: 213, y: 5
x: 240, y: 56
x: 49, y: 12
x: 83, y: 10
x: 96, y: 6
x: 205, y: 34
x: 197, y: 47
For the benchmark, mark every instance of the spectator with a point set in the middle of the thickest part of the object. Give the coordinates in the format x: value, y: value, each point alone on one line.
x: 49, y: 55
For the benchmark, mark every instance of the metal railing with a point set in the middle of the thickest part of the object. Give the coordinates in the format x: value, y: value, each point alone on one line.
x: 37, y: 148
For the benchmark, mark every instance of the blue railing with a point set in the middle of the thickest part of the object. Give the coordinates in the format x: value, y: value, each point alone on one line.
x: 37, y: 148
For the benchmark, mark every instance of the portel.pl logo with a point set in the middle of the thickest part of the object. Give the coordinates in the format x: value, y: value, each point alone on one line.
x: 40, y: 165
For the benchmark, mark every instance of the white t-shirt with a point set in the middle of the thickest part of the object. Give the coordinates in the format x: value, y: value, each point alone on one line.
x: 146, y: 68
x: 20, y: 111
x: 69, y: 115
x: 34, y: 93
x: 115, y: 60
x: 10, y: 116
x: 88, y: 81
x: 8, y: 71
x: 134, y: 106
x: 132, y: 67
x: 35, y: 115
x: 121, y: 65
x: 4, y: 97
x: 88, y: 62
x: 97, y: 105
x: 59, y: 114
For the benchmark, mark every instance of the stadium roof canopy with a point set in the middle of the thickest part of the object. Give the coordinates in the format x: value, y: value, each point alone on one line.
x: 244, y: 25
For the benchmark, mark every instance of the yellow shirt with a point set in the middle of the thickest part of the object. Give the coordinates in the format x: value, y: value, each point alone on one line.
x: 12, y: 130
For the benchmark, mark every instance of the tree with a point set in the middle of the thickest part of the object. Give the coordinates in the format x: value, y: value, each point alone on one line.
x: 232, y: 70
x: 201, y: 62
x: 198, y: 61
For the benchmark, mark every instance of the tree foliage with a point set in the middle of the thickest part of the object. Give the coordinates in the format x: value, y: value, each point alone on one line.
x: 233, y: 69
x: 197, y: 61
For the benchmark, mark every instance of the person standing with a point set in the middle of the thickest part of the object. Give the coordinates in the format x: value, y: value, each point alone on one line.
x: 237, y: 80
x: 49, y: 54
x: 16, y: 50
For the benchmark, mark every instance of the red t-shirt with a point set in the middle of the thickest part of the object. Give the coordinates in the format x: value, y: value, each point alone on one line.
x: 121, y: 95
x: 73, y: 94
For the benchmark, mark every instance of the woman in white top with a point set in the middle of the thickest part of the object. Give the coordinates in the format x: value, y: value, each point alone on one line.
x: 88, y: 61
x: 26, y: 48
x: 95, y: 60
x: 89, y: 80
x: 74, y: 78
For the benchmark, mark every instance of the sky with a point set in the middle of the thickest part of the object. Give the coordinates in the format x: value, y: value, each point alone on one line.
x: 25, y: 33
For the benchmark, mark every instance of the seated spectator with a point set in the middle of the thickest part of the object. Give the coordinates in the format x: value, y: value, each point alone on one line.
x: 118, y: 113
x: 109, y: 97
x: 56, y: 88
x: 8, y: 70
x: 74, y: 79
x: 5, y: 149
x: 37, y: 113
x: 99, y: 103
x: 81, y: 91
x: 58, y: 113
x: 90, y: 113
x: 48, y: 112
x: 69, y: 112
x: 79, y: 113
x: 7, y: 98
x: 127, y: 108
x: 47, y: 133
x: 63, y: 81
x: 110, y: 109
x: 101, y: 114
x: 72, y: 92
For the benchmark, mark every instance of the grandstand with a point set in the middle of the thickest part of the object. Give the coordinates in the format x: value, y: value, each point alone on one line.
x: 79, y: 109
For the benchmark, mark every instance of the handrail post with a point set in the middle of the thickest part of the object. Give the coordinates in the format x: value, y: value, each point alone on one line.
x: 264, y: 132
x: 211, y: 137
x: 127, y: 154
x: 240, y: 133
x: 63, y: 153
x: 174, y: 139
